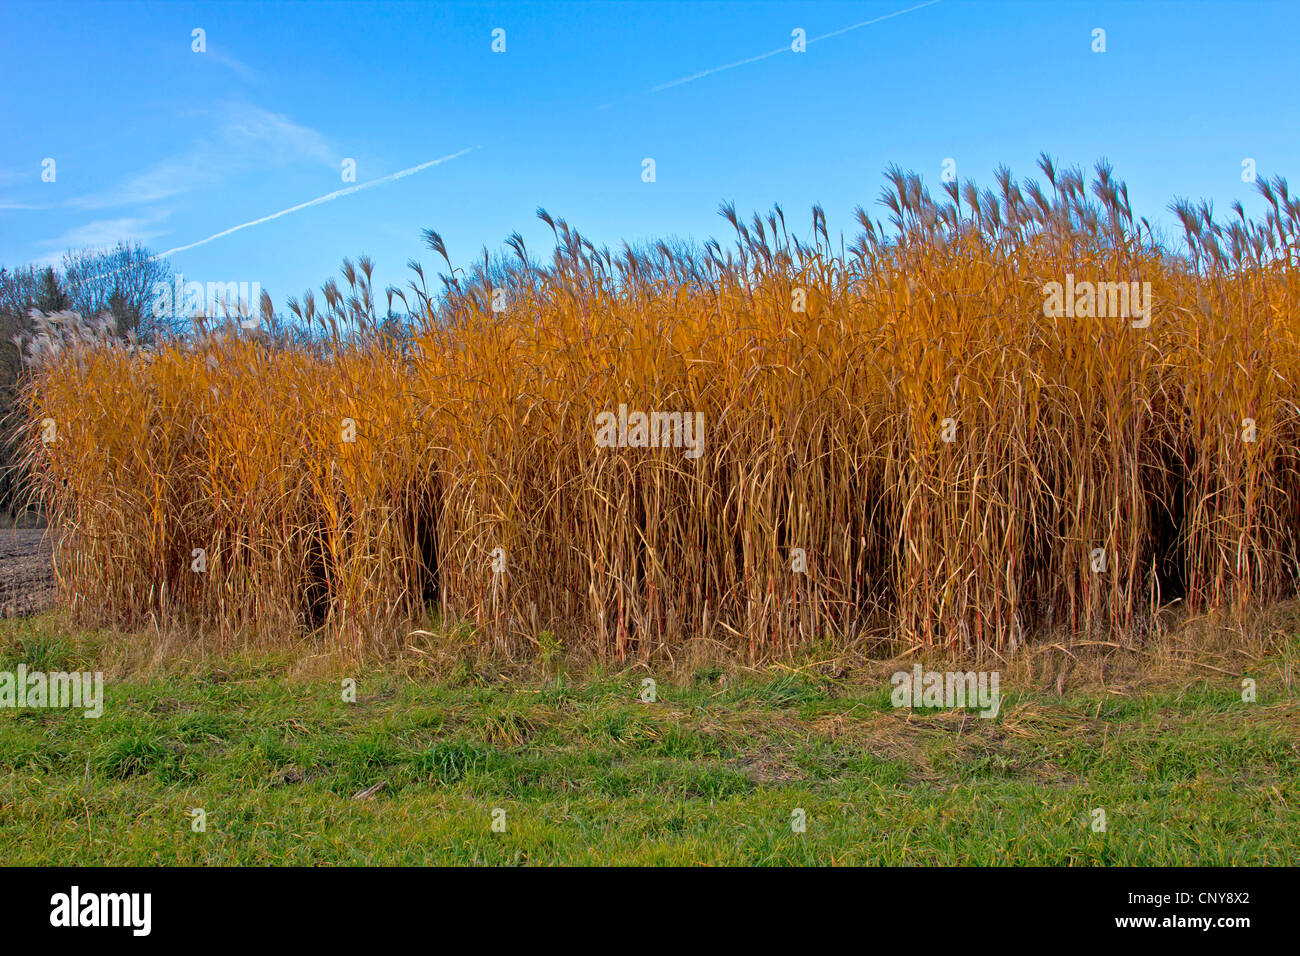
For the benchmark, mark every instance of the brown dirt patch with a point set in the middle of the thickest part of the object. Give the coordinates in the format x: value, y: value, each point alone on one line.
x: 26, y: 571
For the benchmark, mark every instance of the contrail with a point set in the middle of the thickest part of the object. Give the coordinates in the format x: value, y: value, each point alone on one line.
x: 786, y: 49
x: 718, y: 69
x: 867, y: 23
x: 319, y: 199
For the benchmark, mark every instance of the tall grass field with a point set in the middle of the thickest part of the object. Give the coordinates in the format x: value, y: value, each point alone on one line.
x: 987, y: 417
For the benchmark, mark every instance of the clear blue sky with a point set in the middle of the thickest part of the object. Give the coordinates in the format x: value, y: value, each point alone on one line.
x: 155, y: 142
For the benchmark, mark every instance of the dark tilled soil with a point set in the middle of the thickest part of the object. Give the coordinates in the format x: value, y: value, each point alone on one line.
x: 26, y: 571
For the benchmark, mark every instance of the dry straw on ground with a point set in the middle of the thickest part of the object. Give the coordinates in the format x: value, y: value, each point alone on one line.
x: 828, y: 377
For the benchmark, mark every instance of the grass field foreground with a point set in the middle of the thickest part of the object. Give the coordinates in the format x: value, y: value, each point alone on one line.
x: 578, y: 769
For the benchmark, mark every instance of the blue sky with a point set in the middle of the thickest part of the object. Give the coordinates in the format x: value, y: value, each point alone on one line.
x: 155, y: 142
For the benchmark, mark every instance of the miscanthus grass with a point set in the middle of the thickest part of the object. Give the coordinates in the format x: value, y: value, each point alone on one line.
x: 999, y: 414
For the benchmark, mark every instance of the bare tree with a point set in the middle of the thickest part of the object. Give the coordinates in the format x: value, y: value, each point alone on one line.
x: 123, y: 281
x: 19, y: 289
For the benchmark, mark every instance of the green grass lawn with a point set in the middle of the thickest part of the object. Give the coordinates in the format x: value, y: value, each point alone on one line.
x: 586, y: 773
